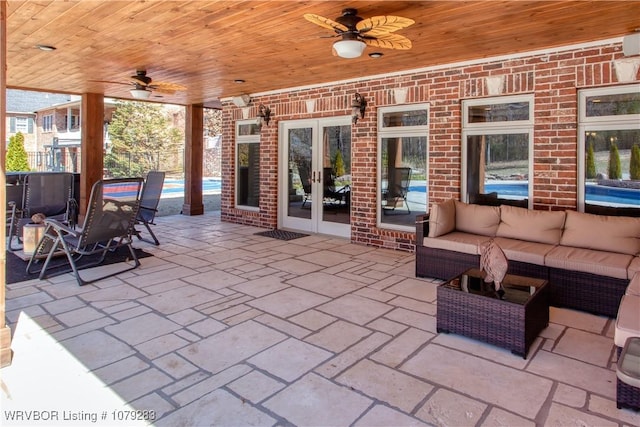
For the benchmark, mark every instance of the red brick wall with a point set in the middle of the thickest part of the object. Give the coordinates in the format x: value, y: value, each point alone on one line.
x: 553, y: 79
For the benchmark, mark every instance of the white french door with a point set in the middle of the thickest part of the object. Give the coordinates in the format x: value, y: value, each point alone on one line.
x: 315, y: 176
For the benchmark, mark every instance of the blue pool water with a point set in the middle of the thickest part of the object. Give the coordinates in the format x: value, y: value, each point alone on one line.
x: 175, y: 187
x: 594, y: 193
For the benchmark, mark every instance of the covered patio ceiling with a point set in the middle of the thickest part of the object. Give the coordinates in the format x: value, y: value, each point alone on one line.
x: 207, y: 45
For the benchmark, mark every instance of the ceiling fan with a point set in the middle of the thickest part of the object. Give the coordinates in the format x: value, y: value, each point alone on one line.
x: 144, y: 85
x: 356, y: 32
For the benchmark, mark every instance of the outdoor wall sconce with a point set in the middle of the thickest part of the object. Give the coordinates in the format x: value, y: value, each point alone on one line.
x: 264, y: 115
x: 358, y: 107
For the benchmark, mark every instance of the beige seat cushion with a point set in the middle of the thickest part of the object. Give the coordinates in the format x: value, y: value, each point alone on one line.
x: 601, y: 232
x: 634, y: 267
x: 520, y: 250
x: 628, y: 320
x: 457, y: 241
x: 634, y: 286
x: 530, y: 225
x: 477, y: 219
x: 442, y: 218
x: 608, y: 264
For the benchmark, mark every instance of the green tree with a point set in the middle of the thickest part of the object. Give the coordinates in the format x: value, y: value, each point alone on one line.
x: 591, y: 162
x: 615, y: 169
x: 634, y: 163
x: 140, y: 133
x: 17, y: 160
x: 338, y: 164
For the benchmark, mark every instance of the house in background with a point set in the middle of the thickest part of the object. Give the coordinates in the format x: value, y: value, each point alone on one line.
x: 22, y: 107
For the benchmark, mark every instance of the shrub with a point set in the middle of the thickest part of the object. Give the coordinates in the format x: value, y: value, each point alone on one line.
x: 17, y: 160
x: 591, y: 162
x: 615, y: 169
x: 634, y: 165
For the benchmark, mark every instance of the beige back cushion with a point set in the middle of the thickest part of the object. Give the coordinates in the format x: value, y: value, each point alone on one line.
x: 530, y: 225
x: 477, y: 219
x: 442, y: 218
x: 600, y: 232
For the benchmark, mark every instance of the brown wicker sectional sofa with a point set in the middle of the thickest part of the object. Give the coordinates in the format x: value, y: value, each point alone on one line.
x: 587, y: 259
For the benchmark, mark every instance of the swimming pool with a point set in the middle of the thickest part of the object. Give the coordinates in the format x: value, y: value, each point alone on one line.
x: 594, y: 193
x: 175, y: 187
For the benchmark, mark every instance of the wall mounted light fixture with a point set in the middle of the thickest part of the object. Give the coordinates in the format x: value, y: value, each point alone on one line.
x: 358, y: 106
x: 264, y: 115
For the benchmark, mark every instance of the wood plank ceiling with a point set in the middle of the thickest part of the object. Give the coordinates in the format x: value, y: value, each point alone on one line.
x: 206, y: 45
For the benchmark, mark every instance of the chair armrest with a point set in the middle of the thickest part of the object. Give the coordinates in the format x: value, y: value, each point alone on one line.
x: 58, y: 226
x: 422, y: 228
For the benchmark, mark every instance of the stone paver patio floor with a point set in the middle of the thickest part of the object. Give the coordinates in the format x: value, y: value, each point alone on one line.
x: 223, y: 327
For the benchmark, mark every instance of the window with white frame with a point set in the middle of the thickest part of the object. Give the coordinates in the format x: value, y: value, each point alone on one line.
x: 609, y: 147
x: 22, y: 125
x: 47, y: 123
x: 247, y: 164
x: 403, y: 135
x: 497, y: 149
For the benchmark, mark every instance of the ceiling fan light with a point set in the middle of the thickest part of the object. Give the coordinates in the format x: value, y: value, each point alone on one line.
x: 140, y: 93
x: 349, y: 48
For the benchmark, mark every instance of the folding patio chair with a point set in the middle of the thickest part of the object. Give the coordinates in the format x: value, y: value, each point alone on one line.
x: 49, y: 193
x: 149, y: 200
x: 108, y: 225
x: 397, y: 189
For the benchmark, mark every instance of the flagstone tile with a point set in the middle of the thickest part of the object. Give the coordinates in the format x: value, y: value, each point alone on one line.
x: 256, y: 387
x: 97, y: 349
x: 401, y: 347
x: 585, y: 346
x: 352, y: 355
x: 313, y: 319
x: 288, y: 302
x: 473, y: 376
x: 574, y: 372
x: 355, y: 309
x: 383, y: 416
x: 315, y: 401
x: 260, y: 287
x: 175, y: 365
x: 338, y: 336
x: 560, y: 415
x: 325, y: 284
x: 121, y: 369
x: 143, y: 328
x: 233, y: 345
x: 578, y: 319
x: 296, y: 266
x: 414, y: 288
x: 290, y: 359
x: 446, y: 408
x: 214, y: 279
x: 218, y: 408
x: 500, y: 417
x: 385, y: 384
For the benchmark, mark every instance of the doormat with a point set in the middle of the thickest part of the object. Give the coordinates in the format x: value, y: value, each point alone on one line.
x: 16, y: 268
x: 281, y: 234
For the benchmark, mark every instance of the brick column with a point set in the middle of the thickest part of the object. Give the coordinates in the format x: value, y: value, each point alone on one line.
x: 194, y: 145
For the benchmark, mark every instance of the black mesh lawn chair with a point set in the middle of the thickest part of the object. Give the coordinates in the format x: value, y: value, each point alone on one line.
x: 108, y: 225
x: 48, y: 193
x: 333, y: 196
x: 149, y: 200
x: 397, y: 189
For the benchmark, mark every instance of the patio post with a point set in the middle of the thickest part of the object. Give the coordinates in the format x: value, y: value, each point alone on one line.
x: 5, y: 331
x: 193, y: 153
x: 92, y: 145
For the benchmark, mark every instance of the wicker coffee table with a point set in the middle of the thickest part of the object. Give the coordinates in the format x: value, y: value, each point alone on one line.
x: 468, y: 306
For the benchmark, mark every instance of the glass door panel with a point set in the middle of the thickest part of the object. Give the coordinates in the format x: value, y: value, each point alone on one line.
x: 336, y: 178
x: 299, y: 185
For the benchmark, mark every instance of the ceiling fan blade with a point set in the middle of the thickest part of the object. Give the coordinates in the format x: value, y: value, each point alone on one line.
x: 389, y: 41
x: 139, y: 81
x: 165, y: 86
x: 110, y: 82
x: 378, y: 25
x: 327, y: 23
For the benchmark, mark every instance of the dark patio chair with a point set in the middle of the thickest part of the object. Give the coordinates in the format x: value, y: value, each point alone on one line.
x: 149, y: 200
x: 49, y: 193
x: 306, y: 184
x: 333, y: 196
x: 397, y: 189
x: 108, y: 225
